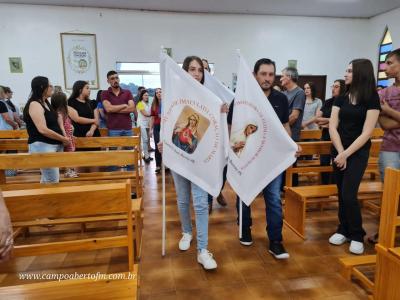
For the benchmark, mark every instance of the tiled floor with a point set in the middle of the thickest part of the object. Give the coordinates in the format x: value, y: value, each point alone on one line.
x: 312, y: 272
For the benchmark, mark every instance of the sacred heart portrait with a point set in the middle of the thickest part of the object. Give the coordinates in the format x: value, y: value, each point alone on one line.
x: 189, y: 129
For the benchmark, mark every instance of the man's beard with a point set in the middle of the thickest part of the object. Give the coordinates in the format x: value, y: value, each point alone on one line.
x: 264, y: 88
x: 116, y: 85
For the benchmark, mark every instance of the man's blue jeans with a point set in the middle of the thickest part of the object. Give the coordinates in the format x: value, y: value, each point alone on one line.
x: 121, y: 132
x: 273, y: 210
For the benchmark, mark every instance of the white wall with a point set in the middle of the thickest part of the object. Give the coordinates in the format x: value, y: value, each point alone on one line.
x: 321, y: 45
x: 377, y: 28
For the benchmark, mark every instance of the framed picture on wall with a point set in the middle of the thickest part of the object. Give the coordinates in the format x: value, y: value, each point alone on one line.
x: 79, y: 55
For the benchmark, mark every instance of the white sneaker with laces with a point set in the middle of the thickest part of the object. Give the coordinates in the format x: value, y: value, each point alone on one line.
x: 205, y: 258
x: 184, y: 243
x: 356, y: 247
x: 338, y: 239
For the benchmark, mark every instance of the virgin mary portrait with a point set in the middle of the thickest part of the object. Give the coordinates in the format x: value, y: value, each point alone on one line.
x: 186, y: 137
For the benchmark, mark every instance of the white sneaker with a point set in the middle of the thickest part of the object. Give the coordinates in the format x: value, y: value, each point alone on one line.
x: 205, y: 258
x: 356, y: 247
x: 338, y: 239
x: 184, y: 243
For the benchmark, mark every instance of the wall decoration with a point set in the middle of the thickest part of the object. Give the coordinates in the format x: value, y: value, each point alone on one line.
x: 79, y: 55
x: 15, y: 64
x: 292, y: 63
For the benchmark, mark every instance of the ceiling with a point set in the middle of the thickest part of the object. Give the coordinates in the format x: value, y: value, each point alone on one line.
x: 323, y: 8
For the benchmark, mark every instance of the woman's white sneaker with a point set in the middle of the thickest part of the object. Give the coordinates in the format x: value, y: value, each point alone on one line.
x: 338, y: 239
x: 356, y: 247
x: 184, y: 243
x: 205, y: 258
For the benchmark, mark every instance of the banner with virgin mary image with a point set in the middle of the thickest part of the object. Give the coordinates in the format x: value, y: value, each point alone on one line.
x: 193, y: 130
x: 260, y: 148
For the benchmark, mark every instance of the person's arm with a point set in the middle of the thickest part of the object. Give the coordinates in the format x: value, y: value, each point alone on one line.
x: 299, y: 102
x: 36, y: 112
x: 73, y: 114
x: 130, y: 108
x: 113, y: 108
x: 388, y: 123
x: 9, y: 121
x: 18, y: 119
x: 61, y: 123
x: 294, y: 116
x: 333, y: 125
x: 94, y: 126
x: 390, y: 112
x: 369, y: 125
x: 6, y: 231
x: 287, y: 128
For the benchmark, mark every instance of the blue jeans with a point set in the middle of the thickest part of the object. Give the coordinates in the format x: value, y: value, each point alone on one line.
x: 183, y: 188
x: 273, y: 210
x: 120, y: 132
x: 49, y: 175
x: 388, y: 159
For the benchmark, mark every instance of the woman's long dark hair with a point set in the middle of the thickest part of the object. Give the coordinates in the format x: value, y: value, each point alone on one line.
x: 156, y: 101
x: 142, y: 94
x: 312, y: 88
x: 363, y: 85
x: 98, y: 96
x: 39, y: 85
x: 342, y: 88
x: 77, y: 89
x: 187, y: 62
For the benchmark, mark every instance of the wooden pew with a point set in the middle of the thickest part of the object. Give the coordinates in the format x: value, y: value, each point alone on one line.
x: 387, y: 259
x: 310, y: 135
x: 297, y: 199
x: 13, y: 134
x: 22, y: 133
x: 95, y: 142
x: 316, y: 134
x: 104, y: 131
x: 137, y: 209
x: 324, y: 147
x: 125, y: 286
x: 69, y: 205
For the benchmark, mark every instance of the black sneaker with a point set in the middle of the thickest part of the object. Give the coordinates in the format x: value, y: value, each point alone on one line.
x: 277, y: 250
x: 246, y: 239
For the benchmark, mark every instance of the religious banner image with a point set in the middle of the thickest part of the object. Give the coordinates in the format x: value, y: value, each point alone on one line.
x: 260, y: 148
x: 189, y: 130
x: 193, y: 129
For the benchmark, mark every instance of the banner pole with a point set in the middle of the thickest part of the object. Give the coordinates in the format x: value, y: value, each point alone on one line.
x: 240, y: 218
x: 164, y: 229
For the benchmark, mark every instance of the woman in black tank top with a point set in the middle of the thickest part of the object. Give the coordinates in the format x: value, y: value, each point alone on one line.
x: 44, y: 133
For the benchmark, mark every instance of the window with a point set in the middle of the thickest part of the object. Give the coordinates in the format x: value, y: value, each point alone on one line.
x: 384, y: 48
x: 134, y: 74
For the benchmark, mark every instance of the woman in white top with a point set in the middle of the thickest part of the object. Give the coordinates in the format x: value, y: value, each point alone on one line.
x: 312, y: 107
x: 144, y: 117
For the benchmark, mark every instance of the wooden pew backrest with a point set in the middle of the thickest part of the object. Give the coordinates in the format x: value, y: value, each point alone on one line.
x: 68, y: 201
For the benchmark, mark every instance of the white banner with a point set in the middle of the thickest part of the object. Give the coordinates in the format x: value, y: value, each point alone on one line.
x: 194, y: 131
x: 260, y: 148
x: 216, y: 86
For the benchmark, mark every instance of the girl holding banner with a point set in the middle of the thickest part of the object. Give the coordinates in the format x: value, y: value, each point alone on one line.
x: 188, y: 131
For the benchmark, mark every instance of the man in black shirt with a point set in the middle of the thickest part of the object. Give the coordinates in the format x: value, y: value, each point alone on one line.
x: 264, y: 72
